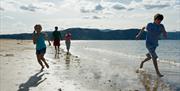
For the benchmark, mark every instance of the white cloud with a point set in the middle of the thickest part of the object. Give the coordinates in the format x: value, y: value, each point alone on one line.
x: 119, y: 6
x: 99, y: 7
x: 29, y: 7
x: 8, y: 17
x: 93, y: 17
x: 147, y: 6
x: 1, y: 9
x: 95, y: 13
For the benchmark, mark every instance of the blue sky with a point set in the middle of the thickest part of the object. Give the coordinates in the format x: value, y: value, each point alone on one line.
x: 19, y: 16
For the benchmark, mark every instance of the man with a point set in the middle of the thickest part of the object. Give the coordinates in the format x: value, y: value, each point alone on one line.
x: 56, y: 37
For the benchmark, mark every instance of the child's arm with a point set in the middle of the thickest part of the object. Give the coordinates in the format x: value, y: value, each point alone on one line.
x: 34, y: 38
x: 46, y: 37
x: 164, y: 32
x: 139, y: 34
x: 65, y: 37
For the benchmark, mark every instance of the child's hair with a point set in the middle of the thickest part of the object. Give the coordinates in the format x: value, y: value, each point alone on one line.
x: 158, y: 16
x: 37, y: 26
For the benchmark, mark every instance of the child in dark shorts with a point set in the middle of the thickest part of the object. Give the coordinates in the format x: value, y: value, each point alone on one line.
x: 154, y: 31
x: 39, y: 40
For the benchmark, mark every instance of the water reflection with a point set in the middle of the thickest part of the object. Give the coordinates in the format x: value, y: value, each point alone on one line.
x: 152, y: 83
x: 67, y: 61
x: 56, y: 56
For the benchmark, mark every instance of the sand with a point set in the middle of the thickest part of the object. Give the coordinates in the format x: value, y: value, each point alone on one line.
x: 20, y: 71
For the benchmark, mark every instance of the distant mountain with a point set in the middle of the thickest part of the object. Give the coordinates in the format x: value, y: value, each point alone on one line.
x: 94, y: 34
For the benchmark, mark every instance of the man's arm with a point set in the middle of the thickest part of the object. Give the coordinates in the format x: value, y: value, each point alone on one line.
x: 140, y: 33
x: 60, y: 35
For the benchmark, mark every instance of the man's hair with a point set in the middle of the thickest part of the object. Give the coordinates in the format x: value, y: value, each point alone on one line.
x: 158, y: 16
x: 37, y: 26
x: 56, y: 27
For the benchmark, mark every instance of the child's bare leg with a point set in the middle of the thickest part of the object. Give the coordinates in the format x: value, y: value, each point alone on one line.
x: 39, y: 60
x: 146, y: 59
x: 156, y: 67
x: 43, y: 59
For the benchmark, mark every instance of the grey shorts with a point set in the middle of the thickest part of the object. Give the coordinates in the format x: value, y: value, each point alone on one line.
x: 152, y: 51
x: 68, y: 44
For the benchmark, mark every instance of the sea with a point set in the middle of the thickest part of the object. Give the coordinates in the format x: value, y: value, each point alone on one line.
x: 167, y: 51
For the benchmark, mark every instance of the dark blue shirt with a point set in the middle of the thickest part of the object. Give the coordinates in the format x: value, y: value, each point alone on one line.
x: 153, y: 33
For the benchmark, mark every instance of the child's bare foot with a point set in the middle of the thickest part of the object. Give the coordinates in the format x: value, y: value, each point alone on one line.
x: 42, y: 68
x: 47, y: 65
x: 137, y: 71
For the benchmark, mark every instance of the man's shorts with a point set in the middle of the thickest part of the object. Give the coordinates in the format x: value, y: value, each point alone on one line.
x: 56, y: 42
x: 41, y: 51
x: 152, y: 51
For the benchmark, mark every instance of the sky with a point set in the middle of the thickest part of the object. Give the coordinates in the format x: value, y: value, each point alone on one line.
x: 20, y: 16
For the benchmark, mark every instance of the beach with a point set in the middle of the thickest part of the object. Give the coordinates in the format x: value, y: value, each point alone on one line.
x: 80, y: 71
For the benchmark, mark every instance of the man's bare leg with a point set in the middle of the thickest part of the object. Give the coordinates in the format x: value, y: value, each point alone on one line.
x: 58, y: 49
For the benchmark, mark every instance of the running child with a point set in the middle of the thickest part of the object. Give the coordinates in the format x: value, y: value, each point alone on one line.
x: 39, y: 40
x: 154, y: 30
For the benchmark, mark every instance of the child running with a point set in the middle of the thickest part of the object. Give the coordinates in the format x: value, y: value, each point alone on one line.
x: 68, y: 41
x: 39, y: 40
x: 154, y: 31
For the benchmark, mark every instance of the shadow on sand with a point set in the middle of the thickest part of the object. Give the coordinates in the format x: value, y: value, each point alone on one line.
x: 33, y: 81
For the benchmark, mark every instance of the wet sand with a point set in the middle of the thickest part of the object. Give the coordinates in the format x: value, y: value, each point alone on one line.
x: 20, y: 71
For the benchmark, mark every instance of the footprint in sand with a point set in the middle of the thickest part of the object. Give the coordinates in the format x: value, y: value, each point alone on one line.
x: 59, y: 89
x: 9, y: 55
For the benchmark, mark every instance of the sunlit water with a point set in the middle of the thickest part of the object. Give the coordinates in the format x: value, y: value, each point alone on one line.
x: 168, y: 50
x: 111, y: 65
x: 128, y: 54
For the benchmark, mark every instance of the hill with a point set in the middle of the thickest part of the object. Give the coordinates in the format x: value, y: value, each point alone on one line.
x: 93, y: 34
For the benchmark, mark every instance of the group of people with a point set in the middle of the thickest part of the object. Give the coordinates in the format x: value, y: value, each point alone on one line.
x: 154, y: 30
x: 57, y: 37
x: 39, y: 40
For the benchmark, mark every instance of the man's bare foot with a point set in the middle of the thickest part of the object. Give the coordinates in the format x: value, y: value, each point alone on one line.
x: 160, y: 75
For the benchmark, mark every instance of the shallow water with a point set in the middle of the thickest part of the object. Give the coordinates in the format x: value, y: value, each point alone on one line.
x: 111, y: 65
